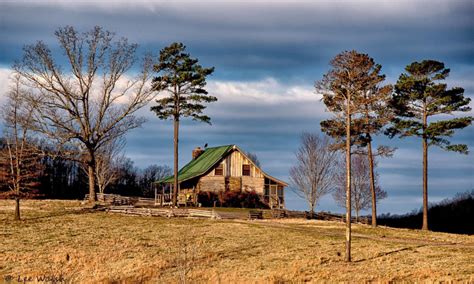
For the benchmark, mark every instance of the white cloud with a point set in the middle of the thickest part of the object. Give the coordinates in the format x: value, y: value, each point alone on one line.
x: 265, y: 98
x: 266, y: 91
x: 5, y: 74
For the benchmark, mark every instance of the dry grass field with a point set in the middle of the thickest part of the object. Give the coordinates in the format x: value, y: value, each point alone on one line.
x: 56, y: 239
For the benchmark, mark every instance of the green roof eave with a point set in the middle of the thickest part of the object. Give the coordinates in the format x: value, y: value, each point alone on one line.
x: 200, y: 165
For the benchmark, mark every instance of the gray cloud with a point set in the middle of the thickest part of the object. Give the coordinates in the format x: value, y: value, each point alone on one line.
x: 267, y: 55
x: 283, y: 40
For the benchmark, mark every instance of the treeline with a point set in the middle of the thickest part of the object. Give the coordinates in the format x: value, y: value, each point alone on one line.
x: 452, y: 215
x: 57, y: 177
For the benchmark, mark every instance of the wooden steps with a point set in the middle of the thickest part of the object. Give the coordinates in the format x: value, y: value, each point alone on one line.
x: 255, y: 214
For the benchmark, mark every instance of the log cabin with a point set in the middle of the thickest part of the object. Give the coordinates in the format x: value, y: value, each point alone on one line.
x: 221, y: 169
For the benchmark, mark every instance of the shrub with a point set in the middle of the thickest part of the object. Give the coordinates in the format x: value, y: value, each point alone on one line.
x: 207, y: 198
x: 239, y: 199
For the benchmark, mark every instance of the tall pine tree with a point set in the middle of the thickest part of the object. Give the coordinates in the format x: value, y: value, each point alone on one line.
x: 419, y: 97
x: 342, y: 88
x: 375, y: 116
x: 370, y: 121
x: 183, y: 80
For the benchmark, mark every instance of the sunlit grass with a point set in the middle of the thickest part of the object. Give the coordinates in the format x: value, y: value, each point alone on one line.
x: 55, y: 237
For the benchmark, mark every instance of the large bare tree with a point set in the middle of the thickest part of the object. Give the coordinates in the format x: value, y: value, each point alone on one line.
x: 362, y: 194
x: 20, y: 158
x: 315, y: 169
x: 89, y: 100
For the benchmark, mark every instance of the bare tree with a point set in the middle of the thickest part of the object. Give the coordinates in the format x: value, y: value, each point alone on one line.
x: 361, y: 189
x: 150, y: 175
x: 312, y: 176
x: 254, y: 158
x: 109, y: 158
x: 92, y: 101
x: 20, y: 157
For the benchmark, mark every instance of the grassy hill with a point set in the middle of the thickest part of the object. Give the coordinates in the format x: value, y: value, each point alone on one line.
x: 57, y: 239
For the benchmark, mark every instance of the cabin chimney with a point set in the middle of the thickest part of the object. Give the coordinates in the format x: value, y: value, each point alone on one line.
x: 197, y: 152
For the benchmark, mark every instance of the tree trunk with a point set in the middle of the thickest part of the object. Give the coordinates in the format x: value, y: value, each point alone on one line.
x: 311, y: 211
x: 425, y: 171
x: 425, y: 185
x: 91, y: 174
x: 176, y: 141
x: 372, y: 184
x: 17, y: 208
x: 348, y: 181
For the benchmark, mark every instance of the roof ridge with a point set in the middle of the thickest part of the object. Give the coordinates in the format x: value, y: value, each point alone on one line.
x: 219, y: 146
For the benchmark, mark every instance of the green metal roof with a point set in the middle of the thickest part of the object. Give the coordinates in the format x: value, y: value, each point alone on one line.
x: 201, y: 164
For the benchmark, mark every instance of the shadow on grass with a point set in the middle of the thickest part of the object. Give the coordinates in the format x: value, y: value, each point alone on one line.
x: 389, y: 253
x: 25, y: 217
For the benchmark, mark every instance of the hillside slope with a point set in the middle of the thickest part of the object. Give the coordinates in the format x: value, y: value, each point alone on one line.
x: 56, y: 239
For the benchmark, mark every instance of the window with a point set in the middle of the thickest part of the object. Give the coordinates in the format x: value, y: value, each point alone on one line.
x: 246, y: 170
x: 273, y: 189
x: 219, y: 170
x: 280, y: 191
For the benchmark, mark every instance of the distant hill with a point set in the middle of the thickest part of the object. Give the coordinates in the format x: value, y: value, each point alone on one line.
x: 452, y: 215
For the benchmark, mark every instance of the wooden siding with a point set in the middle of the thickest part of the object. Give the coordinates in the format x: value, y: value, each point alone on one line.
x: 211, y: 183
x: 233, y: 166
x: 234, y: 183
x: 233, y: 180
x: 253, y: 183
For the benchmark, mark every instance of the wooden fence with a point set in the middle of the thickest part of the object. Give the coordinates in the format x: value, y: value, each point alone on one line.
x: 165, y: 212
x: 113, y: 199
x: 130, y: 205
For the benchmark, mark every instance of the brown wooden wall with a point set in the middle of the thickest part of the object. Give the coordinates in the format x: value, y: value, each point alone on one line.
x: 216, y: 183
x: 253, y: 183
x: 210, y: 183
x: 233, y: 166
x: 232, y: 178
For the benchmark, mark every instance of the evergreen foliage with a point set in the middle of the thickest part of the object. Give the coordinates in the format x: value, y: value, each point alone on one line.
x: 420, y: 95
x: 183, y: 79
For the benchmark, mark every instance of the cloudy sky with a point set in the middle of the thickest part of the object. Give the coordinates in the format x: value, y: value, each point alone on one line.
x: 267, y: 55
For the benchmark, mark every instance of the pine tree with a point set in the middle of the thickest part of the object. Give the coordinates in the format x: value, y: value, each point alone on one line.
x: 342, y: 88
x: 419, y: 95
x: 183, y: 79
x: 373, y: 117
